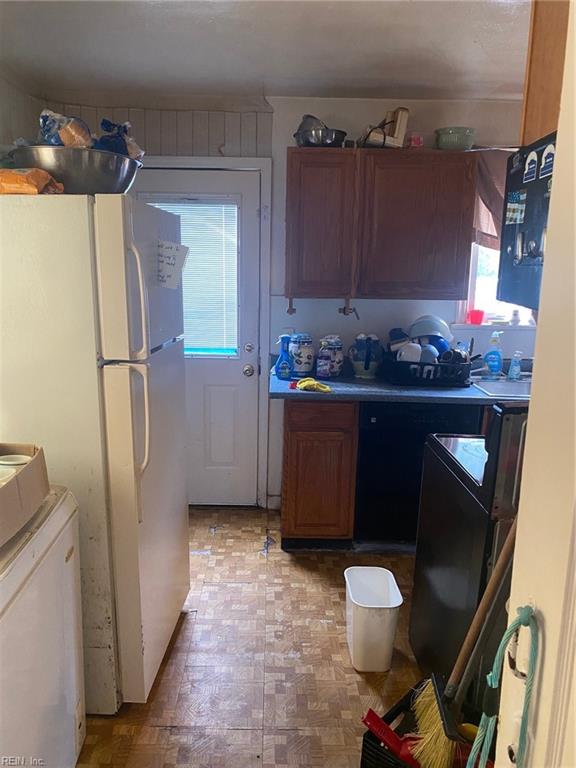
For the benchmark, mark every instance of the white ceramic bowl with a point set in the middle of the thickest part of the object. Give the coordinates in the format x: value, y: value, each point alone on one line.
x: 409, y: 353
x: 430, y: 325
x: 14, y: 460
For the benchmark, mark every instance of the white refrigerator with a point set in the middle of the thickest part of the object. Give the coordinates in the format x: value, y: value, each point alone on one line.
x: 92, y: 369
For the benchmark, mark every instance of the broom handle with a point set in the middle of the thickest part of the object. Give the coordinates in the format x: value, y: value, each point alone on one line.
x: 496, y: 577
x: 494, y: 613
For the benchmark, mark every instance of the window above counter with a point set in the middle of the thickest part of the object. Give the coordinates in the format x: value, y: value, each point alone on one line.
x: 483, y: 288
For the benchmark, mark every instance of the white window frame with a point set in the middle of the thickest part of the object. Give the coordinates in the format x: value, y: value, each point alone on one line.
x: 153, y: 198
x: 263, y: 166
x: 469, y: 302
x: 472, y: 280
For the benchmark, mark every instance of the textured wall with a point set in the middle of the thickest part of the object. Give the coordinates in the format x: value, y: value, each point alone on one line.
x: 18, y: 112
x: 200, y: 133
x: 191, y: 132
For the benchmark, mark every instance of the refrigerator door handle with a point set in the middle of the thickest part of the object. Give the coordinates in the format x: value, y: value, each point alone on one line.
x: 144, y: 351
x: 142, y: 369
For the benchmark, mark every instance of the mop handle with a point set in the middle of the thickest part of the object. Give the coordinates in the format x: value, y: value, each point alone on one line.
x: 496, y: 577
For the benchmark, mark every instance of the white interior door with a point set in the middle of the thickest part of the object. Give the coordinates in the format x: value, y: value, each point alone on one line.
x: 219, y: 218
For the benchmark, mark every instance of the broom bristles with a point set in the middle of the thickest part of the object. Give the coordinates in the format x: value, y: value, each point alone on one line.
x: 435, y: 749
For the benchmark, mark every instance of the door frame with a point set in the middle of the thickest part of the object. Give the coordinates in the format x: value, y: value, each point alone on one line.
x: 262, y: 166
x: 548, y: 484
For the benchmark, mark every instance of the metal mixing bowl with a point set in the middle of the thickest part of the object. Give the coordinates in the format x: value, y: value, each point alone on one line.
x: 82, y: 171
x: 310, y: 121
x: 320, y: 137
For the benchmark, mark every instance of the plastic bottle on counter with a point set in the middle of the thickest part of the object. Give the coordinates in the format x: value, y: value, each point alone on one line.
x: 493, y: 359
x: 515, y: 370
x: 284, y: 367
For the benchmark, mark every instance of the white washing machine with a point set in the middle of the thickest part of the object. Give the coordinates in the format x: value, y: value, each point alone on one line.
x: 42, y: 714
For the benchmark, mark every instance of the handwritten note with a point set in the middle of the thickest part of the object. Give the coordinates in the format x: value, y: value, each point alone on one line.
x: 171, y: 260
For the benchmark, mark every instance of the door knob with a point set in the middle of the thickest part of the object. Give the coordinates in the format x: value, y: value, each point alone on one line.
x: 248, y: 370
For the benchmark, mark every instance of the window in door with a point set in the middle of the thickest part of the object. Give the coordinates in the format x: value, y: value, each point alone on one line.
x: 209, y: 229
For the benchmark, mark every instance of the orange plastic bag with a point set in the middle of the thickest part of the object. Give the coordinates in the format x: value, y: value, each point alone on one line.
x: 28, y: 181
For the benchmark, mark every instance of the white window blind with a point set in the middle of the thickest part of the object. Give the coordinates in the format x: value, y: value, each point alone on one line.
x: 210, y: 278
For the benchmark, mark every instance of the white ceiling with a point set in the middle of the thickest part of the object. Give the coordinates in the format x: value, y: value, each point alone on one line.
x: 167, y: 53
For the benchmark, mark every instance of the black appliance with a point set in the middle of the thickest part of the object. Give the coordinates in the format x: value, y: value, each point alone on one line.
x: 470, y: 489
x: 390, y: 451
x: 524, y: 222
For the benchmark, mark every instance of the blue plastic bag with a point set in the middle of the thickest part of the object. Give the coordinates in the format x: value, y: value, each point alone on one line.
x: 116, y: 139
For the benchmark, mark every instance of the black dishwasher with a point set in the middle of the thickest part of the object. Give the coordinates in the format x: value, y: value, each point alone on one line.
x: 390, y: 453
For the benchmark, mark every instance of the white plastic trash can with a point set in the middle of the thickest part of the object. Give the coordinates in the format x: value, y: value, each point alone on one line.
x: 372, y: 604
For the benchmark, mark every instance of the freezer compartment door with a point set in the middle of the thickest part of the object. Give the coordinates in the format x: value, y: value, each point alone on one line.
x: 137, y: 314
x: 145, y: 426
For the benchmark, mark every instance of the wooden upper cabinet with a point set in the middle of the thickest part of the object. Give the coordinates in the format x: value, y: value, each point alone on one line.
x: 417, y: 213
x: 544, y: 68
x: 321, y: 231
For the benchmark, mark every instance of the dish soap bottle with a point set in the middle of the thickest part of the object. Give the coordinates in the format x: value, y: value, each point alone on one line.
x: 515, y: 370
x: 284, y: 367
x: 493, y: 359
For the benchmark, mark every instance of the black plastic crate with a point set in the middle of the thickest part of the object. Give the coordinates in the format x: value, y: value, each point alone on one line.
x: 401, y: 718
x: 375, y: 755
x: 408, y: 374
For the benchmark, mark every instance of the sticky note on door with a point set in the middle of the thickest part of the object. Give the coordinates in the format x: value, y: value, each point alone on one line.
x: 171, y: 260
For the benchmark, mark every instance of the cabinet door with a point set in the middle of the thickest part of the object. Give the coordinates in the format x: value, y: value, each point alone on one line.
x: 417, y: 218
x: 319, y: 470
x: 320, y: 222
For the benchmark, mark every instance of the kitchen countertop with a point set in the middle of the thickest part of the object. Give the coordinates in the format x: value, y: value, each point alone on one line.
x: 355, y: 389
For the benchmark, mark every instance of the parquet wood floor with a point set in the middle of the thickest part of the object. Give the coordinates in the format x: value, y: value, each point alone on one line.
x: 258, y: 672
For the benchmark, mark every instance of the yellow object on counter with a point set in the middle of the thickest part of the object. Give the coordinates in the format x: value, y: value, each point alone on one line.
x: 311, y: 385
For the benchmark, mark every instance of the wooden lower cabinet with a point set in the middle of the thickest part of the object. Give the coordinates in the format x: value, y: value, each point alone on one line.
x: 319, y: 470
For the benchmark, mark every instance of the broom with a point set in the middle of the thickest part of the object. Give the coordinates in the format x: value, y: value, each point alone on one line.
x: 439, y: 735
